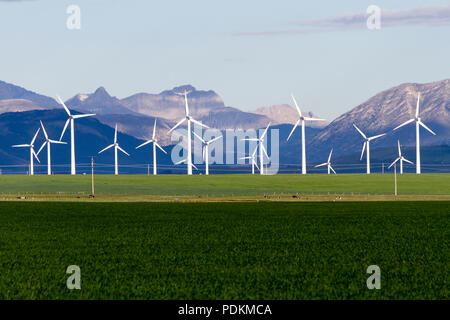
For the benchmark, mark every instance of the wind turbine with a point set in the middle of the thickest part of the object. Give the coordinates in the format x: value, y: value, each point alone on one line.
x: 301, y: 121
x: 253, y: 158
x: 48, y: 143
x: 366, y: 146
x: 400, y: 158
x: 262, y: 149
x: 189, y: 119
x: 155, y: 144
x: 206, y: 150
x: 32, y: 152
x: 328, y: 163
x: 71, y: 120
x: 419, y: 123
x: 116, y: 148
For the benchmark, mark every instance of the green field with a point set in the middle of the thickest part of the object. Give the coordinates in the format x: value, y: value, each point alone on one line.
x: 265, y: 250
x: 223, y: 185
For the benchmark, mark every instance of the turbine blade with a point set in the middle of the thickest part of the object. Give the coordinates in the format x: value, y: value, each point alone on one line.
x: 418, y: 105
x: 21, y: 146
x: 35, y: 136
x: 393, y: 163
x: 154, y: 130
x: 256, y: 165
x: 321, y: 165
x: 423, y: 125
x: 108, y: 147
x: 362, y: 133
x: 160, y: 148
x: 199, y: 123
x: 144, y: 144
x: 214, y: 140
x: 78, y: 116
x: 35, y: 155
x: 406, y: 160
x: 43, y: 129
x: 118, y: 147
x: 64, y: 130
x: 329, y: 157
x: 313, y: 119
x: 179, y: 162
x: 254, y: 152
x: 42, y: 147
x: 250, y: 139
x: 200, y: 138
x: 362, y: 152
x: 186, y: 104
x: 64, y: 106
x: 332, y: 169
x: 376, y: 137
x: 296, y: 105
x: 293, y: 129
x: 57, y: 142
x: 177, y: 125
x: 115, y: 135
x: 404, y: 124
x: 204, y: 154
x: 265, y: 132
x: 265, y: 152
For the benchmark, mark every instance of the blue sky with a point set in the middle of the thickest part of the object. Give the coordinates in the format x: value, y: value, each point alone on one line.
x: 253, y: 53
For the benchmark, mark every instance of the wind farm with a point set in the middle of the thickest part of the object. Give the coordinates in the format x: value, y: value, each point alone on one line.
x: 209, y: 152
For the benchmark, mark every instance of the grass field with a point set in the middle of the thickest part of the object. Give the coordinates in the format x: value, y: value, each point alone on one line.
x: 143, y: 188
x: 265, y: 250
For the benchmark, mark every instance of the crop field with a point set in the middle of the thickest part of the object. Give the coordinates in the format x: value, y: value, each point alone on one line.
x: 264, y: 250
x: 169, y: 187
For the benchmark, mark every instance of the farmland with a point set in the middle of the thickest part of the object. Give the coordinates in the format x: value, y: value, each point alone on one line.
x: 265, y: 250
x: 217, y: 187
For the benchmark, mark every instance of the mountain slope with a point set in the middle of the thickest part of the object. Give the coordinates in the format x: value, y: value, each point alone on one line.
x: 383, y: 112
x: 14, y: 98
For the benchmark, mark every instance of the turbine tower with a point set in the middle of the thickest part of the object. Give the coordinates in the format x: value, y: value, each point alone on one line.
x: 32, y: 152
x: 155, y: 144
x: 419, y: 123
x: 189, y: 119
x: 301, y: 121
x: 253, y: 159
x: 366, y: 146
x: 262, y: 149
x: 71, y: 120
x: 400, y: 158
x: 116, y: 148
x: 206, y: 150
x: 328, y: 164
x: 48, y: 143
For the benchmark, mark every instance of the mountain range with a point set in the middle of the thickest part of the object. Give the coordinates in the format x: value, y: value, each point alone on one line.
x: 21, y: 109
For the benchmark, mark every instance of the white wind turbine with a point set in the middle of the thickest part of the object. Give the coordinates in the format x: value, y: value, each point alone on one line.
x: 206, y: 150
x: 155, y: 144
x: 189, y: 119
x: 400, y: 158
x: 366, y: 146
x: 419, y: 123
x: 328, y: 163
x: 253, y: 160
x: 301, y: 121
x: 262, y: 149
x: 116, y: 148
x: 71, y: 120
x: 32, y: 152
x: 48, y: 143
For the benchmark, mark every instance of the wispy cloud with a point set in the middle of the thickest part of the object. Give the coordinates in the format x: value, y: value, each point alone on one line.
x: 429, y: 16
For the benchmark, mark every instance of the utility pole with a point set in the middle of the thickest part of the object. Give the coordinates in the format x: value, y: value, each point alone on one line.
x: 92, y: 178
x: 395, y: 179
